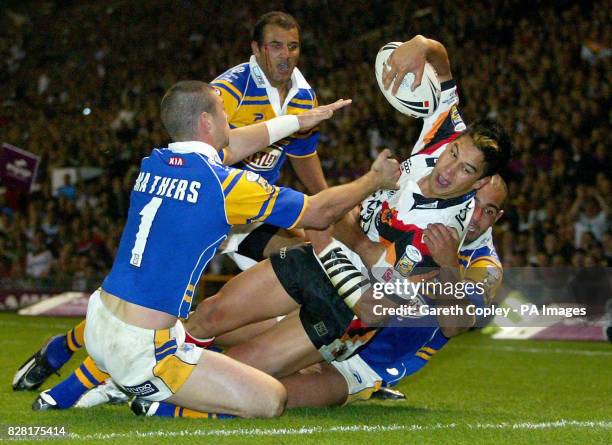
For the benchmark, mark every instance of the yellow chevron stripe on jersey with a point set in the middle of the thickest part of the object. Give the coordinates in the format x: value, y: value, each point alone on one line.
x: 230, y: 86
x: 231, y: 97
x: 303, y: 101
x: 423, y: 355
x: 257, y: 98
x: 429, y: 350
x: 229, y: 179
x: 246, y: 198
x: 268, y: 207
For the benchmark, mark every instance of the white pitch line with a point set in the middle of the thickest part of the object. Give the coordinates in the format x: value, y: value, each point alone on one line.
x: 341, y: 429
x: 500, y: 348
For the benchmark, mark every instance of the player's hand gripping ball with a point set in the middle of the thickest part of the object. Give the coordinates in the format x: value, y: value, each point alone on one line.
x: 421, y: 102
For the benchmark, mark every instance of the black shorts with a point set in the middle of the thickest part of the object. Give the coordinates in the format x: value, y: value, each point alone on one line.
x: 253, y: 245
x: 324, y: 315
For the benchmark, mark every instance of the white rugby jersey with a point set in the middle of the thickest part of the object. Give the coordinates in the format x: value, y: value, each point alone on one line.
x: 397, y: 218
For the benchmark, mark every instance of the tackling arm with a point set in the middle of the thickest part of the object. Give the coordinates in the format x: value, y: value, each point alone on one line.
x: 330, y: 204
x: 245, y: 141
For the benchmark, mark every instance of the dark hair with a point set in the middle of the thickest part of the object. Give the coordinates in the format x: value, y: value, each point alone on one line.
x: 181, y: 107
x: 493, y: 141
x: 277, y: 18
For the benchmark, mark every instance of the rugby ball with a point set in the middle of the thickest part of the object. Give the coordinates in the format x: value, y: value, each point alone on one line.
x: 421, y: 102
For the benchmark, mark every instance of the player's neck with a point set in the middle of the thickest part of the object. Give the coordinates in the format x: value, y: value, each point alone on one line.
x: 283, y: 90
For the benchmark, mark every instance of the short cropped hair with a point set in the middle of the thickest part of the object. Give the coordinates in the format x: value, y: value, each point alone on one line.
x: 182, y: 106
x: 277, y: 18
x: 493, y: 141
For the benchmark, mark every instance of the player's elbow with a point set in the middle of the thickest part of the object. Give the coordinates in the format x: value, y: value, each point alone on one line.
x: 317, y: 216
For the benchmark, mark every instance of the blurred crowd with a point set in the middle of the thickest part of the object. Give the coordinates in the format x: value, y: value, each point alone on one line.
x: 81, y: 83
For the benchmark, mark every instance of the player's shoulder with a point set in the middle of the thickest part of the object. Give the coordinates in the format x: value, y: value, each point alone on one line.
x: 482, y: 252
x: 235, y: 74
x: 235, y: 78
x: 221, y: 171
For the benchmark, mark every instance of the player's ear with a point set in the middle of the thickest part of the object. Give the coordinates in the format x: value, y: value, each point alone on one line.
x: 499, y: 215
x: 255, y: 48
x: 481, y: 182
x: 205, y: 122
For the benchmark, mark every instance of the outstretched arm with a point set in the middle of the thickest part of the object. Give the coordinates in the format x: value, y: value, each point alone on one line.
x: 245, y: 141
x: 330, y: 204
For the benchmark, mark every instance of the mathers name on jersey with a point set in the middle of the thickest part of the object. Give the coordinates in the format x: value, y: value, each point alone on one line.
x: 174, y: 188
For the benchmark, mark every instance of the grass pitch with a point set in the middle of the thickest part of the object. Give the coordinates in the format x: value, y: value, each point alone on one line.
x: 476, y: 390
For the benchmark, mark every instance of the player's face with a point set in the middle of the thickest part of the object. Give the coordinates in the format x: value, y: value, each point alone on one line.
x: 220, y: 125
x: 458, y: 169
x: 487, y: 211
x: 279, y: 53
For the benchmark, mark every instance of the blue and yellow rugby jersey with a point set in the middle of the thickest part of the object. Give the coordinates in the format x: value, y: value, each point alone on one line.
x: 182, y: 207
x: 479, y: 263
x: 248, y: 98
x: 397, y: 352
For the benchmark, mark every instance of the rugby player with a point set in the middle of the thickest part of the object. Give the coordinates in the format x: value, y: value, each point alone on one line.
x: 182, y: 207
x: 269, y: 85
x: 397, y: 352
x: 243, y: 142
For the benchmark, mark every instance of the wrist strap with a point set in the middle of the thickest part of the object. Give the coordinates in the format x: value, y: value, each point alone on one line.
x: 282, y: 126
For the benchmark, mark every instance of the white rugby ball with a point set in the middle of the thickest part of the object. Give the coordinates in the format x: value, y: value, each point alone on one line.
x: 421, y: 102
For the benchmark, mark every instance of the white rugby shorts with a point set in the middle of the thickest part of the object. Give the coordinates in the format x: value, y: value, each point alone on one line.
x: 362, y: 380
x: 148, y: 363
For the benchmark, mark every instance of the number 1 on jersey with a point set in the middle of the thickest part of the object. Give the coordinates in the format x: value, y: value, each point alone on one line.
x: 147, y: 214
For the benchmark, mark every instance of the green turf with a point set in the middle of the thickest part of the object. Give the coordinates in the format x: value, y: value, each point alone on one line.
x: 476, y: 390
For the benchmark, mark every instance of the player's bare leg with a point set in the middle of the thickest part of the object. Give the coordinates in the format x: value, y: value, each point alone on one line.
x: 252, y: 296
x: 223, y: 385
x: 280, y: 351
x: 320, y: 385
x: 283, y: 238
x: 244, y: 333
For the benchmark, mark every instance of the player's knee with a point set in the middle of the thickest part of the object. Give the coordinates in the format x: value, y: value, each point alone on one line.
x: 272, y: 403
x: 207, y: 315
x: 265, y: 400
x: 277, y: 401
